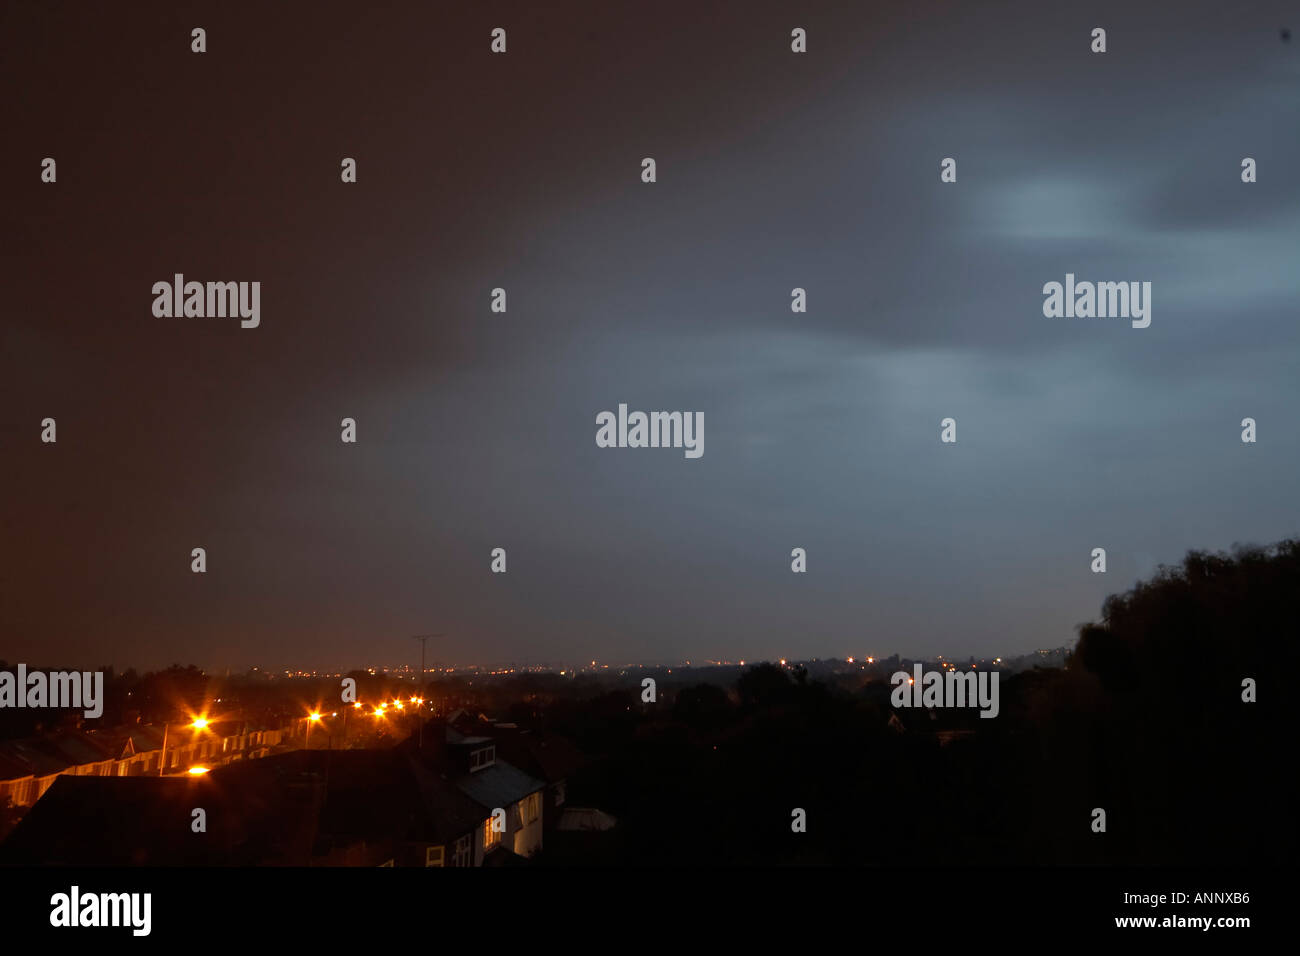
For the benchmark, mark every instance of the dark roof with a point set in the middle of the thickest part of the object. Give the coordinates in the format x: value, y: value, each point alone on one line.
x: 585, y: 820
x: 501, y: 855
x: 452, y: 812
x: 499, y: 785
x: 78, y: 748
x: 367, y: 793
x: 374, y: 793
x: 142, y: 739
x: 113, y: 821
x: 58, y: 750
x: 455, y: 736
x: 543, y: 755
x: 13, y: 767
x: 465, y: 722
x: 38, y: 755
x: 284, y: 808
x: 146, y: 738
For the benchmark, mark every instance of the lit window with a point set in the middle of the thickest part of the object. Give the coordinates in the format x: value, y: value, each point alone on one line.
x: 433, y: 856
x: 490, y: 837
x: 530, y: 808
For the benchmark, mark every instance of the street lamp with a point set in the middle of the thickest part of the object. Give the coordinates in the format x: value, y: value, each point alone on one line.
x: 312, y: 718
x: 198, y: 723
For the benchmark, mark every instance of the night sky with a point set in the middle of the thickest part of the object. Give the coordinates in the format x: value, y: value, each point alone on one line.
x: 477, y: 430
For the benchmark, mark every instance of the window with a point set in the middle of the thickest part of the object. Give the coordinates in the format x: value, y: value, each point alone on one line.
x: 433, y: 856
x: 530, y: 808
x: 484, y: 757
x: 464, y: 847
x: 490, y: 837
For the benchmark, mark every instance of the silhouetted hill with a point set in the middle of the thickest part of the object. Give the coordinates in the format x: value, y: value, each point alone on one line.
x: 1147, y: 722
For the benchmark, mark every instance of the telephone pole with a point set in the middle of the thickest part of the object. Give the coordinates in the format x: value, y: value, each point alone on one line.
x: 422, y: 638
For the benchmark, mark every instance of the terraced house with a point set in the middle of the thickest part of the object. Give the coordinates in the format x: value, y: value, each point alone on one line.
x: 28, y: 767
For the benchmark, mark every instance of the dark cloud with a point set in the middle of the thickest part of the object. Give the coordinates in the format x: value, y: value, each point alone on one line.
x: 477, y: 430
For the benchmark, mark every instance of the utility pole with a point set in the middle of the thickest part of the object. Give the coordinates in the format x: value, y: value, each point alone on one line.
x: 420, y: 683
x: 162, y: 759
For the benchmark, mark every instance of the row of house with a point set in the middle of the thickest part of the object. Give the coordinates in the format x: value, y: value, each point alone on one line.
x: 28, y: 767
x: 465, y: 792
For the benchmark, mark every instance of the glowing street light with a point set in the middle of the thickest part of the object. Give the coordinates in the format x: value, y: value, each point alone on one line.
x: 312, y: 718
x: 198, y: 724
x: 198, y: 771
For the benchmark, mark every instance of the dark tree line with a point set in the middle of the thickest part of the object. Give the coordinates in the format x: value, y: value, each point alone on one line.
x: 1147, y: 722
